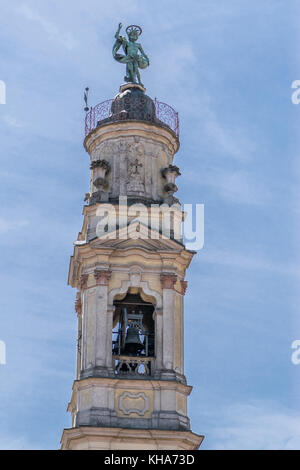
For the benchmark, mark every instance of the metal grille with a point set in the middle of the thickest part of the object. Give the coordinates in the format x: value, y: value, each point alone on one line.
x: 167, y: 115
x: 98, y: 113
x: 133, y: 366
x: 164, y: 114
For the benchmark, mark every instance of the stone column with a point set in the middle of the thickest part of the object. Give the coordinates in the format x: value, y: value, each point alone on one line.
x: 89, y: 328
x: 184, y: 286
x: 109, y: 328
x: 102, y: 333
x: 168, y: 281
x: 83, y: 298
x: 78, y: 309
x: 158, y: 319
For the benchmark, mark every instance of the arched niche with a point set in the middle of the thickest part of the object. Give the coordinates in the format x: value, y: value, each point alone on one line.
x: 134, y: 326
x: 135, y: 284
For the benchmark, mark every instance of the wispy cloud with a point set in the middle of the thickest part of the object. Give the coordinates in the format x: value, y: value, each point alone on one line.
x: 231, y: 143
x: 235, y: 186
x: 12, y: 121
x: 248, y: 261
x: 260, y: 425
x: 16, y: 443
x: 232, y: 130
x: 8, y: 225
x: 65, y: 38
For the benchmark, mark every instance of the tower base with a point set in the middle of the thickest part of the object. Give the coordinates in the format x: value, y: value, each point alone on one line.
x: 94, y: 438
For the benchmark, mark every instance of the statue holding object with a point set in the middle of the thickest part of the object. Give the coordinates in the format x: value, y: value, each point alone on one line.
x: 134, y: 57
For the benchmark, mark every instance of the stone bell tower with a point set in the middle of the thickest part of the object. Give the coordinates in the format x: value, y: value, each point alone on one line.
x: 130, y: 390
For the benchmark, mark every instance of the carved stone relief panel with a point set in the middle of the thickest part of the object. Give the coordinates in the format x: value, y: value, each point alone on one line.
x: 134, y: 403
x: 104, y: 151
x: 136, y: 168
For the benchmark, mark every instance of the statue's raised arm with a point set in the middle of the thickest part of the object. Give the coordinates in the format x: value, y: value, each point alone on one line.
x: 134, y: 56
x: 118, y: 32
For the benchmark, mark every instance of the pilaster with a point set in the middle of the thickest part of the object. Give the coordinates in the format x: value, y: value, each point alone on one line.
x: 168, y: 281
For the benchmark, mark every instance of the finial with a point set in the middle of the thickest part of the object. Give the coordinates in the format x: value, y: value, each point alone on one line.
x: 85, y: 97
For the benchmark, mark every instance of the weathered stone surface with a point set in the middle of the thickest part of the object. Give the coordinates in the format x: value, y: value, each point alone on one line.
x: 109, y: 402
x: 101, y: 438
x: 132, y: 158
x: 135, y: 164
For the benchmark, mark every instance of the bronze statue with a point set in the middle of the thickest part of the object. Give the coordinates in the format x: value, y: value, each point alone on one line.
x: 134, y: 57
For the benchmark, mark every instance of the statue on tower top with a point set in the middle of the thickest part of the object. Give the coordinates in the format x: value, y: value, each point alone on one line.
x: 134, y: 57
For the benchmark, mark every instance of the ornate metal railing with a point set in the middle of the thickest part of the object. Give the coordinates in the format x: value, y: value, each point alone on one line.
x: 97, y: 113
x: 164, y: 114
x: 133, y: 366
x: 167, y: 115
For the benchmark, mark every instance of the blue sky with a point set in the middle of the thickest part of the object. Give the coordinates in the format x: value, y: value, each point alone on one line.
x: 227, y: 68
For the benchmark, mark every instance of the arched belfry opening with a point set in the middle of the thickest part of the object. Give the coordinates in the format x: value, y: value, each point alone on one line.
x: 133, y: 336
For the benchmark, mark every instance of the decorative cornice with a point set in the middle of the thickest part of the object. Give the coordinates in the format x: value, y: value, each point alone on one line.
x: 184, y: 285
x: 129, y: 384
x: 168, y: 280
x: 78, y: 305
x: 129, y: 128
x: 151, y: 438
x: 83, y: 281
x: 102, y: 277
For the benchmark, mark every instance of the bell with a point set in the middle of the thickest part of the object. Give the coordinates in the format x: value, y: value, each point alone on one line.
x: 133, y: 344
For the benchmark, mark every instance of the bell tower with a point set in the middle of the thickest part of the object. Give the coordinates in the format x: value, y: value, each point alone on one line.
x: 129, y: 267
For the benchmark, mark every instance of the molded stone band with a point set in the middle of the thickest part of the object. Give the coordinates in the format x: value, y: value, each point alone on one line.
x: 78, y: 305
x: 131, y: 128
x: 168, y: 280
x: 184, y: 285
x: 83, y: 281
x: 102, y: 277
